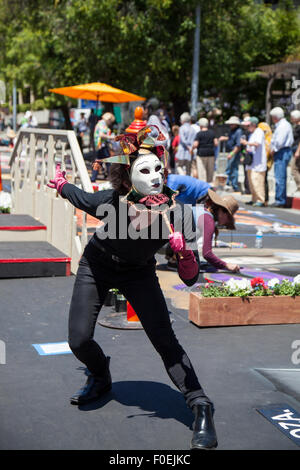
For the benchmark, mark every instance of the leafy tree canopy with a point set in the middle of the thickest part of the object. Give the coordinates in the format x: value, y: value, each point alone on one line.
x: 142, y: 46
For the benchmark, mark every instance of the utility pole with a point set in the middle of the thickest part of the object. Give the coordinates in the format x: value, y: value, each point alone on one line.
x: 14, y: 106
x: 195, y: 77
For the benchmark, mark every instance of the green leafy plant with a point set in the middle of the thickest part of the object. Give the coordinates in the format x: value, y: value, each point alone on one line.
x: 215, y: 291
x: 254, y: 288
x: 144, y: 43
x: 287, y: 288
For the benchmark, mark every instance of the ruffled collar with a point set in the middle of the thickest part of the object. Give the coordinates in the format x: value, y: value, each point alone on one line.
x: 153, y: 206
x: 166, y: 197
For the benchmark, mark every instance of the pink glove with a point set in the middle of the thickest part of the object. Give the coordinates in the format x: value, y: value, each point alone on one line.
x: 59, y: 180
x: 187, y: 264
x: 177, y: 241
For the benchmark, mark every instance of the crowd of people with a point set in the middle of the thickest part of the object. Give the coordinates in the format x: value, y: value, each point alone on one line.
x: 10, y: 137
x: 195, y: 147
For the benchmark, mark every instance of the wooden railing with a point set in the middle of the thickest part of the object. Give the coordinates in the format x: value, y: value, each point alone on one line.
x: 33, y: 162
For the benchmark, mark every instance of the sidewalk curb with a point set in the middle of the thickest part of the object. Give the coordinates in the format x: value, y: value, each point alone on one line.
x: 293, y: 202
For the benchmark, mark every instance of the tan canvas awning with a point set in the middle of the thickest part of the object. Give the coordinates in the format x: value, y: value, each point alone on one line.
x: 285, y: 70
x: 282, y: 69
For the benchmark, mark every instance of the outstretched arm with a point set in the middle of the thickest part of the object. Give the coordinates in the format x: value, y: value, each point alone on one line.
x: 88, y: 202
x: 208, y: 228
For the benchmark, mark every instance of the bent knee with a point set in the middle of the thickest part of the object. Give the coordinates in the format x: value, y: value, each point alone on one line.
x: 78, y: 344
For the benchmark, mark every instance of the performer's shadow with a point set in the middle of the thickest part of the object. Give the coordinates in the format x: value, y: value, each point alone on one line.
x: 154, y: 399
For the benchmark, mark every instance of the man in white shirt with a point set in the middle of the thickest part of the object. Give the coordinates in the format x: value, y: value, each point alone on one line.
x: 256, y: 171
x: 281, y: 145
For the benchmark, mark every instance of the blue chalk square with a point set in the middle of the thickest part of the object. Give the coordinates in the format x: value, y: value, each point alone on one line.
x: 50, y: 349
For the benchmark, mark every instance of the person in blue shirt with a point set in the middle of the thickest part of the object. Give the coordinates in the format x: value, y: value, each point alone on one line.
x: 233, y: 147
x: 191, y: 190
x: 281, y: 147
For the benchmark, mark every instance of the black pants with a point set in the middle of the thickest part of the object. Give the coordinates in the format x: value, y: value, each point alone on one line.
x: 266, y: 186
x: 95, y: 276
x: 246, y: 181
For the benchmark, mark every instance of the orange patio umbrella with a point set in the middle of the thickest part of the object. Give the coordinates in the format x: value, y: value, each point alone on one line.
x: 97, y: 91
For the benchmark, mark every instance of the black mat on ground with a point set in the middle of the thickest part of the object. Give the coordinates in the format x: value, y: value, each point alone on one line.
x: 25, y: 250
x: 44, y: 252
x: 33, y: 269
x: 18, y: 220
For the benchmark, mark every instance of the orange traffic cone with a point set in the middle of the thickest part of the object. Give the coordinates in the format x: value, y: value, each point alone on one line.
x: 131, y: 315
x: 125, y: 320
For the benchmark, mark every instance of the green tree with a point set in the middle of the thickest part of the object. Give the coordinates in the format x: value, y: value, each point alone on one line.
x: 144, y: 46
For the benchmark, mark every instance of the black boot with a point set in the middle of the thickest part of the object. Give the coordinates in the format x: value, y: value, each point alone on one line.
x: 204, y: 436
x: 94, y: 387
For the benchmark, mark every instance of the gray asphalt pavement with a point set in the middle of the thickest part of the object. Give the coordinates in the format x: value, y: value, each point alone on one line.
x: 144, y: 410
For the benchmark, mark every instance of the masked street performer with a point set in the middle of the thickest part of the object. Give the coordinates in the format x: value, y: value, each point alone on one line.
x: 121, y: 255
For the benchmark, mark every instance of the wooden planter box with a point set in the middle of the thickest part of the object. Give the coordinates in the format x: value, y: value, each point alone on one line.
x: 229, y: 311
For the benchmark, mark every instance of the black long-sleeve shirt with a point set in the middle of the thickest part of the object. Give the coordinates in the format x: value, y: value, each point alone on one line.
x: 118, y: 237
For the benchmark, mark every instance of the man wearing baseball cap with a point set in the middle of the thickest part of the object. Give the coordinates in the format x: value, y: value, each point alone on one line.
x: 233, y: 147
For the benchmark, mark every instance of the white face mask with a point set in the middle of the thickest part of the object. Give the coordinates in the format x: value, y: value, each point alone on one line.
x: 147, y: 174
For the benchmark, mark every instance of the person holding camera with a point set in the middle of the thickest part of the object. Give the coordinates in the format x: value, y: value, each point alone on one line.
x: 256, y: 161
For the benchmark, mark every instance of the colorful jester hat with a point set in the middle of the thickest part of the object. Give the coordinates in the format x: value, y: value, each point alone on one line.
x: 150, y: 139
x: 144, y: 153
x: 138, y: 123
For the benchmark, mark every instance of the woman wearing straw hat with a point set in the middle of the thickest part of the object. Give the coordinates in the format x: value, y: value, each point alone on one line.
x: 12, y: 137
x: 215, y: 212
